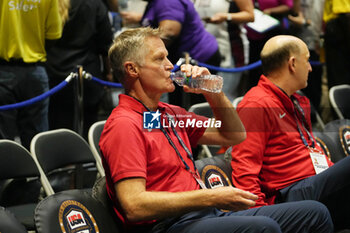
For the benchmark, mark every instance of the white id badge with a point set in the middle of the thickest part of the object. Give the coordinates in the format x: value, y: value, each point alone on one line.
x: 319, y: 161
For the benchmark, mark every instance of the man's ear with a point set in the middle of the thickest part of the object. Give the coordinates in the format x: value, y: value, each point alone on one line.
x: 131, y: 69
x: 292, y: 64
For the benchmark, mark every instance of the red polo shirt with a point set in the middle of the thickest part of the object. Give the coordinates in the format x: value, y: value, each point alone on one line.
x: 129, y: 150
x: 273, y: 156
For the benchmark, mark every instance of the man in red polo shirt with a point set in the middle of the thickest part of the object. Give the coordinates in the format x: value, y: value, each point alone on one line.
x: 146, y: 146
x: 280, y: 160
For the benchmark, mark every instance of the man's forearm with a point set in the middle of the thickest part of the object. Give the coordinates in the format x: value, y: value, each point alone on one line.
x: 141, y: 205
x: 232, y: 128
x: 160, y: 205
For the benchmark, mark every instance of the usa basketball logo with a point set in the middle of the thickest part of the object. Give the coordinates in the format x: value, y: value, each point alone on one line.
x: 76, y: 218
x: 214, y: 177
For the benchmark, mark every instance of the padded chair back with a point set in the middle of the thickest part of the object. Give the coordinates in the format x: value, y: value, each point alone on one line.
x: 9, y: 224
x: 328, y: 146
x: 202, y: 109
x: 339, y: 132
x: 215, y: 172
x: 59, y: 149
x: 18, y: 194
x: 338, y: 96
x: 99, y: 192
x: 94, y: 138
x: 16, y: 161
x: 236, y: 101
x: 73, y: 211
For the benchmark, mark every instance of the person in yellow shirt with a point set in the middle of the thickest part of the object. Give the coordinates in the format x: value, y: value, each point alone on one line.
x: 337, y: 36
x: 26, y: 26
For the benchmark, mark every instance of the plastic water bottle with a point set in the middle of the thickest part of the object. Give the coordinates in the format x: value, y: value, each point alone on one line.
x: 210, y: 83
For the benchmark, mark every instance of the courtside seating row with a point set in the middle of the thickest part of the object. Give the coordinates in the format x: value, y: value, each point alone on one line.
x: 59, y: 185
x: 70, y: 206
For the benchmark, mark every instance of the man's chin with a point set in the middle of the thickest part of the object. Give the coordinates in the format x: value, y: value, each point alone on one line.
x: 171, y: 88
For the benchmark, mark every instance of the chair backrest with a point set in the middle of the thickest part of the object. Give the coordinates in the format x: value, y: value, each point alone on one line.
x: 236, y: 101
x: 17, y: 166
x: 73, y: 211
x: 99, y: 192
x: 339, y: 132
x: 202, y: 109
x: 328, y: 145
x: 215, y: 172
x: 9, y: 224
x: 16, y: 161
x: 61, y: 149
x: 338, y: 96
x: 20, y: 190
x: 94, y: 135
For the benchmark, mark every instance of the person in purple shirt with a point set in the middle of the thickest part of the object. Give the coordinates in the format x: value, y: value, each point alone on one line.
x: 182, y: 31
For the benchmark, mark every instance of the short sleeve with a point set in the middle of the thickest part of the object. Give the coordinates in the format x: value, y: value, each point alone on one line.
x: 170, y: 10
x: 123, y: 147
x: 289, y: 3
x: 53, y: 22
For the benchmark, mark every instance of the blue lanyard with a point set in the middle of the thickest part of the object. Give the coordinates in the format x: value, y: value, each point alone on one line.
x: 189, y: 154
x: 298, y: 108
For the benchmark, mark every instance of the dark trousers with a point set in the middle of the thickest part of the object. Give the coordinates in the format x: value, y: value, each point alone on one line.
x: 331, y: 187
x: 304, y: 216
x: 19, y: 83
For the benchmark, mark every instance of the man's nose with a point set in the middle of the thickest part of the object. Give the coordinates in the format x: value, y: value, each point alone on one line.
x: 169, y: 65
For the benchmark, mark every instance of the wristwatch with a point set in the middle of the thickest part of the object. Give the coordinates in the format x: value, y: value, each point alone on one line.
x: 228, y: 17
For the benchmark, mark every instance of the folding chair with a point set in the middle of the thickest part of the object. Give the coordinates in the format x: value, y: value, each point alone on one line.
x: 215, y: 172
x: 21, y: 186
x: 94, y: 138
x: 73, y: 211
x: 66, y: 158
x: 328, y: 146
x: 204, y: 109
x: 236, y: 101
x: 339, y: 99
x: 9, y: 224
x: 99, y: 192
x: 339, y: 132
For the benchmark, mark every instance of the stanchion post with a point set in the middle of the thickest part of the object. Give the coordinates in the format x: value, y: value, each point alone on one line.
x: 79, y: 102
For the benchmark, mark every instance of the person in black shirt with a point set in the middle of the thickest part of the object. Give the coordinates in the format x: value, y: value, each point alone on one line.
x: 86, y: 37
